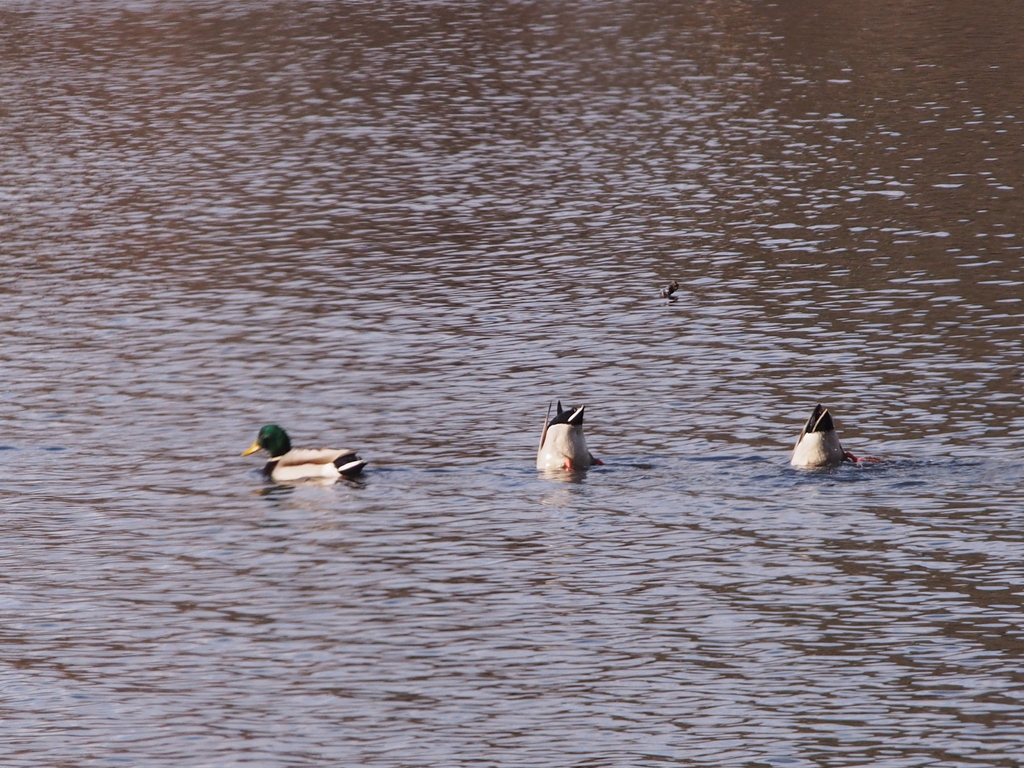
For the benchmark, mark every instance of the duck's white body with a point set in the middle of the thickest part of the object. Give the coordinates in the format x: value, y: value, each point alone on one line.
x: 306, y: 463
x: 562, y: 444
x: 818, y: 445
x: 564, y: 447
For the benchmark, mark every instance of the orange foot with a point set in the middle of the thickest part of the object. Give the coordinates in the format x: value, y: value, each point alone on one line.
x: 862, y: 459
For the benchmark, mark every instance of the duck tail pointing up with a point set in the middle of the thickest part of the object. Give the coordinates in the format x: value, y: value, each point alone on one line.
x: 820, y: 421
x: 576, y: 419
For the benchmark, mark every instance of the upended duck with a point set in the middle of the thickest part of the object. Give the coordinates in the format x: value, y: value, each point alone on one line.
x: 562, y: 444
x: 289, y: 464
x: 818, y: 444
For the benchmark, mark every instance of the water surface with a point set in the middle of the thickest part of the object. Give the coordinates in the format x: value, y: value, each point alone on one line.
x: 406, y: 228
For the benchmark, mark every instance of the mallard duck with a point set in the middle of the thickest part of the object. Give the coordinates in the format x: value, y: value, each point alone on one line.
x: 562, y: 445
x: 818, y: 445
x: 287, y: 463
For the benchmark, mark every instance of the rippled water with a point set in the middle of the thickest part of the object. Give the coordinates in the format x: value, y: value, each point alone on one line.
x: 405, y: 227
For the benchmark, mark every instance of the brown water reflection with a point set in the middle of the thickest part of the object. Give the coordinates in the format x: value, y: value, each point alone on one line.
x: 406, y: 227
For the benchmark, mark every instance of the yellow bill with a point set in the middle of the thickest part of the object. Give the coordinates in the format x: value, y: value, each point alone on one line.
x: 251, y: 449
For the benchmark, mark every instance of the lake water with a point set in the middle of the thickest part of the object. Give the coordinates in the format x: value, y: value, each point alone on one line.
x: 406, y: 227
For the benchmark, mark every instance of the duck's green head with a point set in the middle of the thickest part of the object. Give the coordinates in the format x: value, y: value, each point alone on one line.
x: 273, y: 439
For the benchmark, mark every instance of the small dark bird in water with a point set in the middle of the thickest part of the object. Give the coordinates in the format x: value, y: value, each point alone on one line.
x: 668, y: 290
